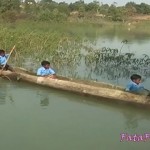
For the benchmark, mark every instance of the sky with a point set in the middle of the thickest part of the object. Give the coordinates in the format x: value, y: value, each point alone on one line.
x: 119, y: 2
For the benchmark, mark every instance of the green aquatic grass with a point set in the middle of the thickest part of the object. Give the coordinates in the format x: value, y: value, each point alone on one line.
x: 37, y: 41
x: 37, y: 36
x: 61, y: 43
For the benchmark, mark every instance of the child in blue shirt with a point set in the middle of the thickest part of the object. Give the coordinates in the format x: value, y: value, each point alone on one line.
x: 45, y: 70
x: 135, y: 85
x: 3, y: 60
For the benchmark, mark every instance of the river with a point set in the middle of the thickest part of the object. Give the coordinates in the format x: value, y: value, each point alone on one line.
x: 36, y: 118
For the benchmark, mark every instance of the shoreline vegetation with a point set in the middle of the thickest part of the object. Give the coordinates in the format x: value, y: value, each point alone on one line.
x: 79, y: 11
x: 58, y: 32
x: 67, y: 45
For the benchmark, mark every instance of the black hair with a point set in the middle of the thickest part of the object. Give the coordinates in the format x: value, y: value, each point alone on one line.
x: 135, y: 77
x: 44, y: 62
x: 2, y: 51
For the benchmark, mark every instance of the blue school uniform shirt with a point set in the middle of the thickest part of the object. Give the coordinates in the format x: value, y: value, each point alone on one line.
x: 3, y: 59
x: 133, y: 87
x: 43, y: 72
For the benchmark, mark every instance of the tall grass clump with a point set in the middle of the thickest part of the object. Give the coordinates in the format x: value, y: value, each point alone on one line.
x: 35, y: 42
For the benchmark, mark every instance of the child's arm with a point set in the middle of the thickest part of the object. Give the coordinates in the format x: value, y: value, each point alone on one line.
x: 39, y: 72
x: 51, y: 71
x: 128, y: 87
x: 0, y: 60
x: 141, y: 87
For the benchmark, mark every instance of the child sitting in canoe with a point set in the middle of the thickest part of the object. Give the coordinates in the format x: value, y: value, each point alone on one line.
x: 46, y: 70
x: 135, y: 86
x: 3, y: 60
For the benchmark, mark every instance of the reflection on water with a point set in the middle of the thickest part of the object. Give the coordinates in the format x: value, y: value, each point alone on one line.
x: 68, y: 118
x: 131, y: 121
x: 2, y: 96
x: 3, y: 92
x: 133, y: 115
x: 44, y: 102
x: 44, y: 98
x: 7, y: 96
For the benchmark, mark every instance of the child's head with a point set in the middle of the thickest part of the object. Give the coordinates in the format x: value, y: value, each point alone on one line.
x: 45, y: 64
x: 136, y: 78
x: 2, y: 52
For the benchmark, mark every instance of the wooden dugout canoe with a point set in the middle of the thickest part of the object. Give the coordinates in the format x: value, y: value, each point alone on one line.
x: 91, y: 88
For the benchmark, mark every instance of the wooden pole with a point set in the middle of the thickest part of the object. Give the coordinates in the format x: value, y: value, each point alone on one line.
x: 8, y: 57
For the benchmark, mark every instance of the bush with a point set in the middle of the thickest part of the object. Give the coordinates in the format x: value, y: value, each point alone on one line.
x: 9, y: 16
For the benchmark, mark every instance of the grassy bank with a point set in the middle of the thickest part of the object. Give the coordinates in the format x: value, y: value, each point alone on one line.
x: 53, y: 41
x: 40, y: 40
x: 34, y: 36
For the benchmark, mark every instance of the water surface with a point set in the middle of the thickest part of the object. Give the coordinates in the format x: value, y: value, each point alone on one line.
x: 86, y: 58
x: 36, y: 118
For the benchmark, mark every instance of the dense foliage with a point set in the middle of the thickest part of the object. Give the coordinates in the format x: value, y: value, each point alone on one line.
x: 48, y: 10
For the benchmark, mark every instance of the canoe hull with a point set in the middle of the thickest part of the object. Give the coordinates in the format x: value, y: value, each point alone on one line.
x: 81, y: 88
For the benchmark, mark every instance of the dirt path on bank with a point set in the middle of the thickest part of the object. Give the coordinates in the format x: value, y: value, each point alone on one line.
x: 140, y: 17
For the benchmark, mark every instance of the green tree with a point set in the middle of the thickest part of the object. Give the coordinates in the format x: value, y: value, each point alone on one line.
x: 48, y: 4
x: 130, y: 8
x: 63, y: 7
x: 93, y: 6
x: 46, y: 1
x: 143, y: 8
x: 116, y: 13
x: 76, y: 6
x: 7, y: 5
x: 29, y: 6
x: 104, y: 9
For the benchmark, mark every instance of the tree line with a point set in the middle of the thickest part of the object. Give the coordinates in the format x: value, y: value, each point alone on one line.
x: 48, y: 10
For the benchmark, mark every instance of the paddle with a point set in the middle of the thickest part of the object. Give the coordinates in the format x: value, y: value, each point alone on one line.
x: 147, y: 90
x: 8, y: 57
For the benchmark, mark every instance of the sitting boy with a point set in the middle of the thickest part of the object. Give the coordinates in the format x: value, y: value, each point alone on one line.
x: 3, y: 60
x: 135, y: 86
x: 45, y: 70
